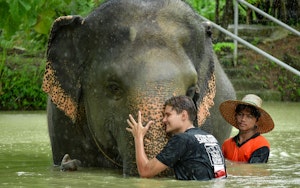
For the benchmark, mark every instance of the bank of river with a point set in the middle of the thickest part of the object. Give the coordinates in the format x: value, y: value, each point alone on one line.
x: 25, y: 157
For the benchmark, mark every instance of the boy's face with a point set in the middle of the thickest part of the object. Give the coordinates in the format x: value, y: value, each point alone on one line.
x: 173, y: 121
x: 245, y: 120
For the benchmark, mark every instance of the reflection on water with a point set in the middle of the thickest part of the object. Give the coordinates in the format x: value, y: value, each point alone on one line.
x: 25, y: 158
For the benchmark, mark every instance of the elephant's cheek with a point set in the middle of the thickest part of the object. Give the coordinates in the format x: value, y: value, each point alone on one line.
x: 151, y: 107
x: 155, y: 140
x: 156, y: 137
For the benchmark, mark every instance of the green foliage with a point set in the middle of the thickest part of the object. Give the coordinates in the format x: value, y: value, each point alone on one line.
x: 25, y: 26
x: 253, y: 2
x: 21, y: 84
x: 280, y: 80
x: 256, y: 67
x: 288, y: 84
x: 298, y: 92
x: 222, y: 48
x: 32, y: 19
x: 255, y: 41
x: 204, y: 8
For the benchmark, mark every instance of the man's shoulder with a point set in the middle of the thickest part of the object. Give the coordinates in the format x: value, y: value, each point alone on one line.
x: 197, y: 130
x: 261, y: 140
x: 199, y: 135
x: 184, y: 137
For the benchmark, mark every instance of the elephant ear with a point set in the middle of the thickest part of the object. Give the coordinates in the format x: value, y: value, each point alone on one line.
x: 64, y: 64
x: 205, y: 67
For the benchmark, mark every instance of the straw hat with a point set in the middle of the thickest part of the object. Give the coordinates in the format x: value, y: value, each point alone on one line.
x: 264, y: 123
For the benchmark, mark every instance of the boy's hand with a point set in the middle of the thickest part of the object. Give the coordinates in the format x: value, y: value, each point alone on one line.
x: 136, y: 128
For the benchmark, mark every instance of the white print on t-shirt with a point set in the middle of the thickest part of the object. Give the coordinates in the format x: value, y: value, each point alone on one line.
x: 212, y: 148
x: 203, y: 139
x: 214, y: 154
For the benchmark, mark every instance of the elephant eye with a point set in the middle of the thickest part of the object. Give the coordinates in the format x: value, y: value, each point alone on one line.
x: 114, y: 90
x: 191, y: 91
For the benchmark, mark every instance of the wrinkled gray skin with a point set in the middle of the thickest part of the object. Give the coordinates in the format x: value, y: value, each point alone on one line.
x: 127, y: 56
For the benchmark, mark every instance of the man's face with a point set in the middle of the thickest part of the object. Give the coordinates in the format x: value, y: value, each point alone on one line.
x: 245, y: 120
x: 173, y: 121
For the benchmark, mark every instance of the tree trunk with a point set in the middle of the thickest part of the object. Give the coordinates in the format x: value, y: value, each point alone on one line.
x: 227, y: 18
x: 217, y: 12
x: 293, y: 11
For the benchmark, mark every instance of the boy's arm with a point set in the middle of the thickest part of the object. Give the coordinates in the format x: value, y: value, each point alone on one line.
x: 146, y: 168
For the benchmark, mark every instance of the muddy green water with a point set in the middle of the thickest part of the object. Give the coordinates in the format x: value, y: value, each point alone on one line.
x: 25, y: 158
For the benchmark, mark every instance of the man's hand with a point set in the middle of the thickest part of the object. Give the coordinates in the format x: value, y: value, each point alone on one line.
x: 136, y: 128
x: 147, y: 168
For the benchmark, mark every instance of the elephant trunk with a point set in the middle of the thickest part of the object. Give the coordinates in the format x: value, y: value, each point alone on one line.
x: 151, y: 107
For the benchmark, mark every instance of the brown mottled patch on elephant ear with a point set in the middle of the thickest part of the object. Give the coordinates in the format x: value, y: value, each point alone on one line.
x: 207, y: 101
x: 58, y: 96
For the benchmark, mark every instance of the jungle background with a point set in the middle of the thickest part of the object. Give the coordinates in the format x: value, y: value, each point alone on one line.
x: 25, y: 27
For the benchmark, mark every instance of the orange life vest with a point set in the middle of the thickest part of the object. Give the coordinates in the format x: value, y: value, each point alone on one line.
x: 243, y: 153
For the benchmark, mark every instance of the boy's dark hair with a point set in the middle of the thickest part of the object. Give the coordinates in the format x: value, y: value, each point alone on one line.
x: 180, y: 103
x: 253, y: 111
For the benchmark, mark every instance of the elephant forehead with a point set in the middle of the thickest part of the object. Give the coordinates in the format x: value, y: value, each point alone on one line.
x: 163, y: 63
x: 155, y: 65
x: 146, y: 21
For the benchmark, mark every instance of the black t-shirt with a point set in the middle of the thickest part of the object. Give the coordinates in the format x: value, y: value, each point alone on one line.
x: 194, y: 155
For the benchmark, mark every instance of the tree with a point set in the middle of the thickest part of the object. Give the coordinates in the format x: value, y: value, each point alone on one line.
x: 32, y: 19
x: 227, y: 18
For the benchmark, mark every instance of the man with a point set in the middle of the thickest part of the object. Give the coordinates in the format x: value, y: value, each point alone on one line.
x: 191, y: 152
x: 251, y: 120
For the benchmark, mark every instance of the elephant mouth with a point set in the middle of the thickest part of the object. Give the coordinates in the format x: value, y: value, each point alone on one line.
x: 114, y: 159
x: 110, y: 150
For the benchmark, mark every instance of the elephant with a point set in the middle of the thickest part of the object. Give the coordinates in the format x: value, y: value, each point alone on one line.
x: 123, y: 57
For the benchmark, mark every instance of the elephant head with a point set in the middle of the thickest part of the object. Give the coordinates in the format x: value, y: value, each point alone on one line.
x: 127, y: 56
